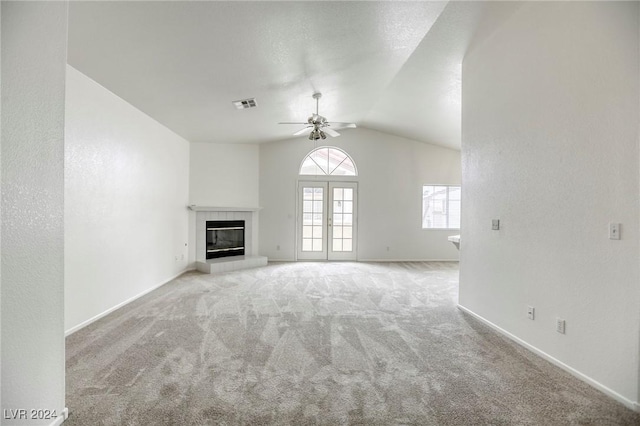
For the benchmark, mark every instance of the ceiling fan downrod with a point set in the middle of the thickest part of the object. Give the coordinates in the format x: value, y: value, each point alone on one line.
x: 317, y: 97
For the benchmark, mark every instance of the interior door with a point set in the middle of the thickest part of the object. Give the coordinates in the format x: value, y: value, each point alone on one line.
x: 327, y: 220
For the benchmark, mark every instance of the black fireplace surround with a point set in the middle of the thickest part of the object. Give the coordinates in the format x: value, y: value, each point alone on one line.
x: 225, y: 238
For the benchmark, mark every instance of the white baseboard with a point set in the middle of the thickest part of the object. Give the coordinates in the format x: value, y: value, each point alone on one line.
x: 120, y: 305
x: 408, y: 260
x: 602, y: 388
x: 61, y: 418
x: 368, y: 260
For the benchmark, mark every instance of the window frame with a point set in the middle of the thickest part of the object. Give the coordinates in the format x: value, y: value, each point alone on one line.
x: 329, y: 176
x: 447, y: 228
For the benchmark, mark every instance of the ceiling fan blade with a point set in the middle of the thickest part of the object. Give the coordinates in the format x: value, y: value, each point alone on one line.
x: 292, y: 122
x: 343, y: 125
x: 301, y: 131
x: 330, y: 132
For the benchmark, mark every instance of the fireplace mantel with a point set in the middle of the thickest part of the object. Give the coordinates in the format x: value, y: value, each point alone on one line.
x: 195, y: 208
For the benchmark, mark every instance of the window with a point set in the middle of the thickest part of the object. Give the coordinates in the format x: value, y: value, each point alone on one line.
x: 441, y: 207
x: 328, y: 161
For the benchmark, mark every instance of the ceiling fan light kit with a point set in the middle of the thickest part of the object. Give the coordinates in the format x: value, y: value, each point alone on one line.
x: 317, y: 134
x: 318, y: 125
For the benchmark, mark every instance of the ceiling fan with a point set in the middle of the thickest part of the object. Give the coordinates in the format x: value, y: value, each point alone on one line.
x: 318, y: 125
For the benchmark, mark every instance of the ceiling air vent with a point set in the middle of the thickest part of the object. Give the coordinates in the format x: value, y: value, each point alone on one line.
x: 245, y: 103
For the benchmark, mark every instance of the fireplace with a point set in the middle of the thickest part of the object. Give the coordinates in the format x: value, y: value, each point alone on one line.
x: 224, y: 238
x: 211, y: 217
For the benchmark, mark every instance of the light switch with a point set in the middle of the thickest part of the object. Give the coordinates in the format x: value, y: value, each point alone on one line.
x: 495, y: 224
x: 614, y: 231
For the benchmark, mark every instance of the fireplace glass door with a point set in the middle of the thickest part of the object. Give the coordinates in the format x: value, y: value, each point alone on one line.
x: 327, y: 220
x: 224, y: 238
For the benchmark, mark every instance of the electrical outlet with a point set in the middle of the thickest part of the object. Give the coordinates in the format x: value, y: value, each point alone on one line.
x: 531, y: 312
x: 495, y: 224
x: 176, y: 257
x: 614, y: 231
x: 560, y: 325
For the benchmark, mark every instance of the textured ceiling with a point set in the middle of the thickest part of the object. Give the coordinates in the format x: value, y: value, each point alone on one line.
x: 390, y: 66
x: 424, y: 100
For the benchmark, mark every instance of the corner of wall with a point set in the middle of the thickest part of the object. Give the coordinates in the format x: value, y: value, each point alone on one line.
x: 34, y: 38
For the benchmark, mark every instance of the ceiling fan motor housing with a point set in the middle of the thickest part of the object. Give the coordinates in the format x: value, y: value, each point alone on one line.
x: 317, y: 122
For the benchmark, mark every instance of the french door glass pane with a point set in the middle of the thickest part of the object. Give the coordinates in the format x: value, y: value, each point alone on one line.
x: 317, y: 232
x: 346, y: 232
x: 307, y: 193
x: 337, y: 232
x: 307, y: 218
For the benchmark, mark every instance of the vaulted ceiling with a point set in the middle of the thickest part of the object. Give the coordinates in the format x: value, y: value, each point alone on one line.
x: 388, y: 66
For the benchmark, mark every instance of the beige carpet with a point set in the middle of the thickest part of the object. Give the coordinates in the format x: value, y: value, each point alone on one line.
x: 316, y: 343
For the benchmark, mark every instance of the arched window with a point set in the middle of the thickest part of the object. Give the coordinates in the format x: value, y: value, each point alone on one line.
x: 330, y: 161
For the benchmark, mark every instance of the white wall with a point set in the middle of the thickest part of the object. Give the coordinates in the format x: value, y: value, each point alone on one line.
x: 224, y: 175
x: 391, y: 172
x: 550, y: 147
x: 33, y: 67
x: 126, y: 192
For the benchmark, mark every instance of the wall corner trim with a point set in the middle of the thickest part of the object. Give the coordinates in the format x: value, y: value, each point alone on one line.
x: 633, y: 405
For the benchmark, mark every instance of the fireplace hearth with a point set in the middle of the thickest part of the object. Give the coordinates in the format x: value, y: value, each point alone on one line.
x: 224, y: 238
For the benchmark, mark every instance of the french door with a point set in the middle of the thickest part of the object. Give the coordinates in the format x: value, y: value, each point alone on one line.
x: 327, y: 220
